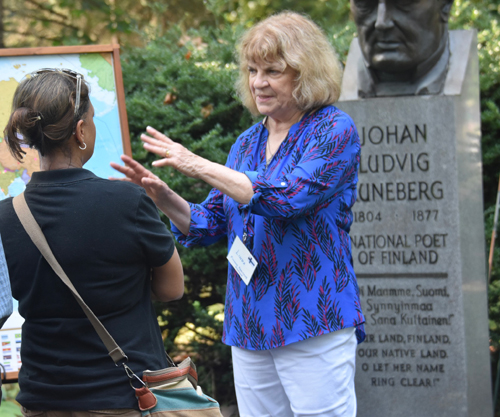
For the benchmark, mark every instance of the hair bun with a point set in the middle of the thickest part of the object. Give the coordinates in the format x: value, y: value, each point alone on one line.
x: 42, y: 114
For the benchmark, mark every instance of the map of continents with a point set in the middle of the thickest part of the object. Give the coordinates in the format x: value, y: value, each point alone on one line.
x: 97, y: 70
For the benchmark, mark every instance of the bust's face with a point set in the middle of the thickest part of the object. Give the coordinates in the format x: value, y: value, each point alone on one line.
x: 397, y: 35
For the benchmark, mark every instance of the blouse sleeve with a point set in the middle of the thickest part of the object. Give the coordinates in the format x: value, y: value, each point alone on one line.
x: 327, y: 166
x: 208, y: 219
x: 208, y: 222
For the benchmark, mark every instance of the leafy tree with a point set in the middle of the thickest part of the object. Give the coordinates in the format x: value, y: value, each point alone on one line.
x: 248, y: 12
x: 72, y: 22
x: 57, y: 22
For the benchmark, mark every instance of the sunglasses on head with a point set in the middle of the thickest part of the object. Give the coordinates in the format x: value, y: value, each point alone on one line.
x: 71, y: 73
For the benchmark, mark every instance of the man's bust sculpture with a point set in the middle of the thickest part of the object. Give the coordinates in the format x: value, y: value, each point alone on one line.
x: 404, y: 44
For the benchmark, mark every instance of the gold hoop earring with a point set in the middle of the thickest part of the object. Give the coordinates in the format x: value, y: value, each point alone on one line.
x: 84, y: 146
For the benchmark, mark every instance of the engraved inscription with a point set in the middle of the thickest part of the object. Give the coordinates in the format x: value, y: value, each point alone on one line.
x: 403, y: 247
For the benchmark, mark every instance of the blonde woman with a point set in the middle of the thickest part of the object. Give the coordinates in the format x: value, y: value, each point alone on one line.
x: 284, y: 201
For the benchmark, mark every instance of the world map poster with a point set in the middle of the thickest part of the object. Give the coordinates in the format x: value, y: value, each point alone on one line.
x: 101, y: 69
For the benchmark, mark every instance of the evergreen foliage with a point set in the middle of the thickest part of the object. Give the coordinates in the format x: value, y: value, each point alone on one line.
x: 484, y: 17
x: 183, y: 86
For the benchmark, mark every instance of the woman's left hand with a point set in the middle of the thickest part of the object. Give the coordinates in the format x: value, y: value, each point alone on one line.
x: 173, y: 154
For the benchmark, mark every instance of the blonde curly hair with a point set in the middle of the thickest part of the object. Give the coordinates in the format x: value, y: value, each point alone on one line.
x: 293, y: 40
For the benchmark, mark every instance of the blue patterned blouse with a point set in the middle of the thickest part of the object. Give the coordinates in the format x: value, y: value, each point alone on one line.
x: 296, y: 226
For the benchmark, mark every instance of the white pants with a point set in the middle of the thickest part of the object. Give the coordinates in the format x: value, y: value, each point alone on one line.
x: 313, y: 377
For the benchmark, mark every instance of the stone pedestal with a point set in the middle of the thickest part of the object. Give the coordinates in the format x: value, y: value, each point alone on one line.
x: 419, y: 248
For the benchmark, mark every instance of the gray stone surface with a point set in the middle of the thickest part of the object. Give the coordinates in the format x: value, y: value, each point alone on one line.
x: 419, y: 249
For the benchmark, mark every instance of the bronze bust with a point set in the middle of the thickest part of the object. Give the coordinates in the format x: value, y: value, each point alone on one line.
x: 404, y: 44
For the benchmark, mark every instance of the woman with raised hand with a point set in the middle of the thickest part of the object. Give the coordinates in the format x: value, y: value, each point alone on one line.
x: 283, y: 199
x: 110, y: 241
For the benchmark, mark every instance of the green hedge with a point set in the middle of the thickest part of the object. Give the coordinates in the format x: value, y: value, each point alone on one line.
x: 196, y: 73
x: 182, y: 84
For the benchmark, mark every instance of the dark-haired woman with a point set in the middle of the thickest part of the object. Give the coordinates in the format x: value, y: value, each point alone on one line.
x: 110, y: 241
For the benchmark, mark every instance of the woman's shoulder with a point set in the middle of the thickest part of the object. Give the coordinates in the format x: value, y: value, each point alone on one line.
x: 330, y: 114
x: 330, y: 121
x: 245, y: 140
x: 251, y: 131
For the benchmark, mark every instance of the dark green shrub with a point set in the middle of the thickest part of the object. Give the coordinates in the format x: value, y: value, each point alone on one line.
x: 197, y: 71
x: 203, y: 113
x: 484, y: 17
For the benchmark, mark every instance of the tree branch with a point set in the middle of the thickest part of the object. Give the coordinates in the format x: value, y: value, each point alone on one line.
x: 31, y: 34
x: 41, y: 19
x: 39, y: 6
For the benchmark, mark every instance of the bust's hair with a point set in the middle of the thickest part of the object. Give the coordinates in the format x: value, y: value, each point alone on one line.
x: 293, y: 40
x: 43, y: 113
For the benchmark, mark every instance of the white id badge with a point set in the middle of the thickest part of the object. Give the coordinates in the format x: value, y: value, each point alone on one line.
x: 242, y: 260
